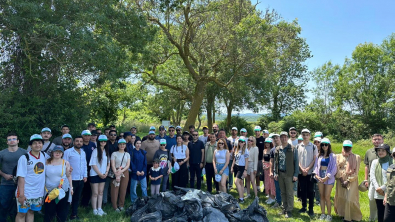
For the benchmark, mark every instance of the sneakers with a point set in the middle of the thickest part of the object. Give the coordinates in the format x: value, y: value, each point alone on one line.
x: 121, y: 209
x: 118, y: 210
x: 270, y: 201
x: 101, y: 212
x: 323, y: 217
x: 317, y: 203
x: 248, y: 195
x: 276, y: 205
x: 303, y: 210
x: 311, y: 213
x: 328, y: 218
x: 96, y: 212
x: 282, y: 212
x: 241, y: 200
x: 288, y: 214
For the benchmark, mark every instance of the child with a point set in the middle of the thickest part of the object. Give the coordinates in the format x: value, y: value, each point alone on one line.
x: 155, y: 175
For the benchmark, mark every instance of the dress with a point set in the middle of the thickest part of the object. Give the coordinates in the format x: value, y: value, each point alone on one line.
x: 347, y: 199
x: 270, y: 188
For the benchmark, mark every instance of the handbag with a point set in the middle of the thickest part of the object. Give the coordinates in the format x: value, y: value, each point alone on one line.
x: 111, y: 174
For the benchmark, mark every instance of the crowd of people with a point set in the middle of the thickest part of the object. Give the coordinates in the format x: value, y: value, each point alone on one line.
x: 85, y: 170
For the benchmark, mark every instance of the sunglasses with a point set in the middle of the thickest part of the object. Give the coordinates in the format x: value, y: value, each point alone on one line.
x: 162, y: 144
x: 293, y: 133
x: 240, y: 141
x: 220, y: 143
x: 250, y: 140
x: 324, y: 144
x: 113, y: 134
x: 195, y: 135
x: 171, y: 130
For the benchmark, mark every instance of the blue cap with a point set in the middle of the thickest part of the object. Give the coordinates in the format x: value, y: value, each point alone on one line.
x: 86, y: 133
x: 102, y: 138
x: 36, y: 137
x: 125, y: 134
x: 58, y: 148
x: 121, y: 141
x: 151, y: 132
x: 171, y: 126
x: 46, y: 129
x: 67, y: 136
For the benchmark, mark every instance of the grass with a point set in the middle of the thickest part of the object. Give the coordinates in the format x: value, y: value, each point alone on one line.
x: 87, y: 215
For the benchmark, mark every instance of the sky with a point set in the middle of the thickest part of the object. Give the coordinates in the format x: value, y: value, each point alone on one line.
x: 333, y: 28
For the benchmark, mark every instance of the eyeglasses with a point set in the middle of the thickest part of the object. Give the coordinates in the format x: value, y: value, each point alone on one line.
x: 113, y: 134
x: 195, y: 134
x: 178, y: 130
x: 162, y: 144
x: 240, y: 141
x: 293, y: 133
x: 171, y: 130
x: 220, y: 143
x: 12, y: 139
x: 324, y: 144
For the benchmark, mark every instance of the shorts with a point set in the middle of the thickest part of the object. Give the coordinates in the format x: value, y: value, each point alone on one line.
x: 30, y: 204
x: 219, y: 167
x: 259, y: 171
x: 323, y: 174
x: 97, y: 179
x: 238, y: 171
x: 250, y: 168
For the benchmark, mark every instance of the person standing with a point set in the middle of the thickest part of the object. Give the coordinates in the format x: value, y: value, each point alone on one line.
x: 163, y: 156
x: 270, y: 188
x: 9, y: 160
x: 77, y: 159
x: 162, y: 133
x: 389, y: 198
x: 171, y: 138
x: 57, y: 175
x: 204, y: 137
x: 210, y: 147
x: 46, y: 134
x: 240, y: 166
x: 94, y: 137
x: 121, y: 161
x: 286, y: 170
x: 371, y: 155
x: 65, y: 129
x: 112, y: 147
x: 180, y: 155
x: 307, y: 153
x: 196, y: 161
x: 243, y: 132
x: 138, y: 166
x: 317, y: 196
x: 100, y: 165
x: 31, y: 180
x: 155, y: 175
x: 151, y: 145
x: 216, y: 129
x: 252, y: 166
x: 276, y: 142
x: 378, y: 178
x: 91, y: 126
x: 178, y: 130
x: 133, y: 130
x: 233, y: 140
x: 260, y: 143
x: 88, y: 146
x: 347, y: 192
x: 325, y: 169
x: 221, y: 162
x: 294, y: 136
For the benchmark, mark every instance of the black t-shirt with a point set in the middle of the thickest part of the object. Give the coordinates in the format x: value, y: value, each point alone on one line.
x: 260, y: 143
x: 195, y: 151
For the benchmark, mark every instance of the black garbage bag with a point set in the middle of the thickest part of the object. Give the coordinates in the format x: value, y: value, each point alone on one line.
x: 151, y: 217
x: 178, y: 218
x: 229, y: 208
x: 193, y: 209
x: 213, y: 215
x: 139, y: 213
x: 170, y: 197
x: 253, y: 213
x: 166, y: 208
x: 207, y: 200
x: 140, y: 202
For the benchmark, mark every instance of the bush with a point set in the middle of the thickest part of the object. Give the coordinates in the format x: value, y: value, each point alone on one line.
x: 238, y: 122
x: 276, y: 127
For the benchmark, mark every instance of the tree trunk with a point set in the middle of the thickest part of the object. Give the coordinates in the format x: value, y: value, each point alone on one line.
x: 197, y: 101
x: 275, y: 108
x: 210, y: 103
x: 229, y: 109
x: 199, y: 121
x: 214, y: 112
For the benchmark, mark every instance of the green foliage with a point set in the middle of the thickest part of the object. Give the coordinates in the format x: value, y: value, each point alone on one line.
x: 276, y: 127
x: 238, y: 122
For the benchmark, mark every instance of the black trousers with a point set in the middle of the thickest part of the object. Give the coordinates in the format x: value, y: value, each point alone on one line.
x: 210, y: 177
x: 78, y: 186
x: 306, y: 191
x: 380, y: 210
x: 389, y: 213
x: 86, y: 194
x: 194, y: 169
x: 58, y: 211
x: 180, y: 178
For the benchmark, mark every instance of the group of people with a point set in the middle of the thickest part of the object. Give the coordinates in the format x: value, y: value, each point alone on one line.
x: 87, y: 169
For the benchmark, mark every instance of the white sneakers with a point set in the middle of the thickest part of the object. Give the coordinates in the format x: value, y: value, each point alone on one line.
x: 326, y: 217
x: 323, y: 217
x: 99, y: 212
x: 270, y: 201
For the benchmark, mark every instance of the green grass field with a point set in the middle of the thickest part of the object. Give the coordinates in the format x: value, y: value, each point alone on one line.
x: 87, y: 215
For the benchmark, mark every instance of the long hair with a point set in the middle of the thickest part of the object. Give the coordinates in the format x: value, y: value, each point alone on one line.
x: 322, y: 152
x: 49, y: 160
x: 225, y: 144
x: 253, y: 141
x: 100, y: 153
x: 238, y: 148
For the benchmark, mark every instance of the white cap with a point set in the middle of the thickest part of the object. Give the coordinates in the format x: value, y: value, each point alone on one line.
x: 305, y: 131
x: 317, y: 139
x: 257, y: 128
x: 266, y: 131
x: 326, y: 140
x: 347, y: 143
x: 234, y: 128
x: 318, y: 134
x: 218, y: 177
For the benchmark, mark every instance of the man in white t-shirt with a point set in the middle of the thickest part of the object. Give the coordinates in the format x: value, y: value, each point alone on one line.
x: 293, y: 140
x: 31, y: 180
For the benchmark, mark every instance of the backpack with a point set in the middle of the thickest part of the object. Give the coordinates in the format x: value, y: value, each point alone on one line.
x: 15, y: 170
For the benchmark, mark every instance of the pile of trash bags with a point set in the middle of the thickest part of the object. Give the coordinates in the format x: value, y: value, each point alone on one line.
x: 187, y: 204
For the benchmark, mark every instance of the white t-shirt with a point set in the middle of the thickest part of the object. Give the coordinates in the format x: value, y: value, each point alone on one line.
x: 179, y: 151
x: 293, y: 143
x: 34, y: 173
x: 241, y: 158
x: 95, y: 161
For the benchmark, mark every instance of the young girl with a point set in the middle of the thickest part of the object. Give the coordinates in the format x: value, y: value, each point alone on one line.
x: 240, y: 166
x: 155, y: 175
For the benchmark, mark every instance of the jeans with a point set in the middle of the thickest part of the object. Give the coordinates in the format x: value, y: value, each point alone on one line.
x: 165, y: 181
x: 230, y: 174
x: 194, y: 169
x: 7, y: 202
x: 106, y: 191
x: 278, y: 192
x: 78, y: 186
x: 58, y: 211
x: 306, y: 191
x: 133, y: 186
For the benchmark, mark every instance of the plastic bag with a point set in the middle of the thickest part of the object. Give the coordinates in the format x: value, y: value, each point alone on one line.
x: 138, y: 214
x: 178, y: 218
x: 166, y: 208
x: 151, y: 217
x: 193, y: 209
x: 253, y: 213
x: 213, y: 215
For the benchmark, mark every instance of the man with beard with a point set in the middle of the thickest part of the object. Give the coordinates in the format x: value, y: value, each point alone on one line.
x: 215, y: 129
x: 133, y: 130
x: 151, y: 145
x: 65, y: 129
x: 67, y: 140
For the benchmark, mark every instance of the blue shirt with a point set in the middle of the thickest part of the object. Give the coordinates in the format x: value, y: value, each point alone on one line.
x: 129, y: 148
x: 138, y: 163
x: 88, y: 152
x: 170, y: 142
x: 158, y: 137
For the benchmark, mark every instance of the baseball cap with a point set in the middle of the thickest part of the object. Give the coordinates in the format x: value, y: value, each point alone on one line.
x: 305, y: 131
x: 234, y: 128
x: 300, y: 137
x: 243, y: 130
x: 318, y: 134
x: 268, y: 140
x: 347, y: 143
x: 266, y: 131
x: 121, y: 141
x: 275, y: 134
x: 94, y: 132
x: 317, y: 139
x: 152, y: 128
x: 178, y: 127
x: 36, y: 137
x: 125, y: 134
x: 86, y: 133
x: 292, y: 128
x: 257, y: 128
x: 58, y: 148
x: 67, y: 136
x: 102, y: 138
x: 326, y: 140
x: 283, y: 133
x: 161, y: 128
x: 162, y: 141
x: 133, y: 127
x: 218, y: 177
x: 242, y: 138
x: 46, y: 129
x: 185, y: 133
x: 205, y: 127
x: 171, y: 126
x: 384, y: 146
x: 151, y: 132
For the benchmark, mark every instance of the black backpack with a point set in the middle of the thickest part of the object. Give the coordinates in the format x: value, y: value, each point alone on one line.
x: 15, y: 170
